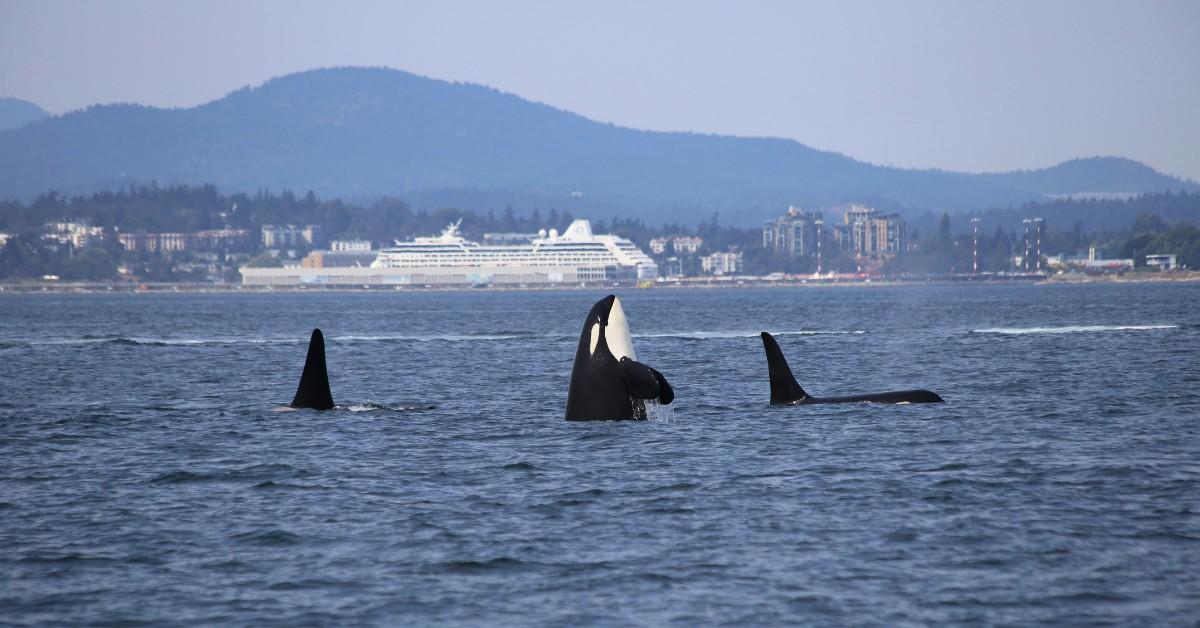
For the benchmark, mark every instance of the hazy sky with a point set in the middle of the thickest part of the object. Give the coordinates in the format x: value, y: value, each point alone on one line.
x: 963, y: 85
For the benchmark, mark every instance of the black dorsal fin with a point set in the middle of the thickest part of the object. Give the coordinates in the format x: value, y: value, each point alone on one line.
x: 784, y: 389
x: 313, y: 391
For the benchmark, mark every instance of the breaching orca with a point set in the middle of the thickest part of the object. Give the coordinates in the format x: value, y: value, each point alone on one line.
x: 786, y: 392
x: 313, y: 391
x: 607, y: 383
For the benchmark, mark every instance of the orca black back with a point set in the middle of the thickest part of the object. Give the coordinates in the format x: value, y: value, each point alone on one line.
x: 313, y: 391
x: 786, y: 392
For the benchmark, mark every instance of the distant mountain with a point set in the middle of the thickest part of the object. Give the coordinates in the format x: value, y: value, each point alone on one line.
x: 1097, y: 176
x: 15, y: 113
x: 360, y: 133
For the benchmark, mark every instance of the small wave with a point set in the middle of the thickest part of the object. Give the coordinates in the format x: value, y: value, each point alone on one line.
x: 177, y: 477
x: 383, y: 407
x: 273, y: 485
x: 502, y: 564
x: 1069, y: 329
x: 722, y: 335
x: 674, y: 488
x: 58, y: 557
x: 60, y: 341
x: 151, y: 341
x: 313, y: 583
x: 268, y: 537
x: 252, y: 472
x: 953, y: 466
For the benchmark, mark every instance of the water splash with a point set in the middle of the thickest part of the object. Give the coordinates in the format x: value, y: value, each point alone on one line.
x: 368, y: 406
x: 658, y: 413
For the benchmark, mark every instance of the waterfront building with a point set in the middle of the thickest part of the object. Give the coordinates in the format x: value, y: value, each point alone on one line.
x: 577, y: 256
x: 1159, y: 261
x: 671, y: 267
x: 338, y: 258
x: 287, y: 236
x: 350, y: 246
x: 682, y: 245
x: 841, y: 237
x: 153, y: 242
x: 796, y: 233
x: 215, y: 240
x: 1109, y: 265
x: 1094, y: 262
x: 875, y: 235
x: 78, y: 234
x: 687, y: 244
x: 228, y: 240
x: 729, y: 263
x: 311, y: 234
x: 131, y: 241
x: 173, y: 242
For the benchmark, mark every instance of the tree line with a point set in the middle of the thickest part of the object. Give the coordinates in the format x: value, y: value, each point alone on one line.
x: 945, y: 248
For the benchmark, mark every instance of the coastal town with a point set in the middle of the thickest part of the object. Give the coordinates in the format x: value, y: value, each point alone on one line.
x: 853, y: 243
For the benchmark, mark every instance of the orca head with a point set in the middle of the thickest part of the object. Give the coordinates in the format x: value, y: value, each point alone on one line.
x: 598, y: 390
x: 607, y: 330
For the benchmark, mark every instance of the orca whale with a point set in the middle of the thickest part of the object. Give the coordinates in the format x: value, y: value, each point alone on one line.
x: 786, y: 392
x: 607, y: 381
x: 313, y: 391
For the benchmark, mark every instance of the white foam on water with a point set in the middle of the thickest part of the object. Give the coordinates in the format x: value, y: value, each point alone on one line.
x: 422, y: 337
x: 1069, y: 329
x: 368, y: 406
x: 710, y: 335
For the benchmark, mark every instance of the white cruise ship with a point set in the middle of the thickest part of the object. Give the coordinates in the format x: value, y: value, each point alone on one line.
x: 577, y: 256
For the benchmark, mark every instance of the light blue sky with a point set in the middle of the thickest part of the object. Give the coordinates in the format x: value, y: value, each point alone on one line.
x: 967, y: 85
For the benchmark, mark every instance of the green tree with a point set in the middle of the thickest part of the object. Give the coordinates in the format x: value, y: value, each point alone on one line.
x: 943, y: 241
x: 1148, y: 223
x: 90, y: 264
x: 264, y: 260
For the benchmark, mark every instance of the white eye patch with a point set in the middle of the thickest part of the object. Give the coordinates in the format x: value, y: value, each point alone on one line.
x: 595, y: 340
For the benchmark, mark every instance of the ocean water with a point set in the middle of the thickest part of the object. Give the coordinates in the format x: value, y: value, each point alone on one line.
x: 145, y: 478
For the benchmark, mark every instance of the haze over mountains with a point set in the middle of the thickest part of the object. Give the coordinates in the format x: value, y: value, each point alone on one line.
x: 362, y: 133
x: 15, y: 113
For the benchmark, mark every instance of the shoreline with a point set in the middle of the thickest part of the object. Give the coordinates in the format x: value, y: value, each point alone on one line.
x: 1178, y: 276
x: 42, y: 287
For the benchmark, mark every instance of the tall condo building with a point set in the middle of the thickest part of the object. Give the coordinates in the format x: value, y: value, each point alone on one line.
x: 875, y: 235
x: 797, y: 233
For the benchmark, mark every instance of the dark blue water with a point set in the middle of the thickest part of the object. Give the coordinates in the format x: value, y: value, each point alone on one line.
x: 145, y: 478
